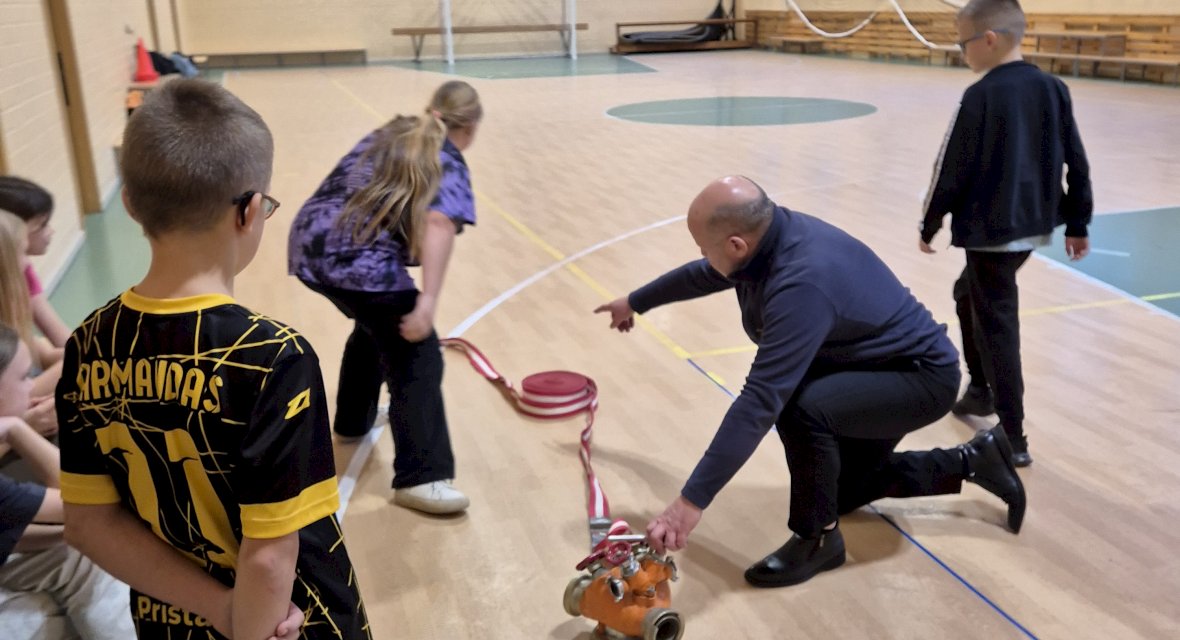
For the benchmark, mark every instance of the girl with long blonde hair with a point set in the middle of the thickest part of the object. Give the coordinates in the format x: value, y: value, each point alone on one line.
x: 34, y: 205
x: 398, y: 199
x: 15, y: 308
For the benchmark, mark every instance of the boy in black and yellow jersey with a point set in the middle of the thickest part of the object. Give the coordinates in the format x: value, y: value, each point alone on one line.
x: 196, y: 457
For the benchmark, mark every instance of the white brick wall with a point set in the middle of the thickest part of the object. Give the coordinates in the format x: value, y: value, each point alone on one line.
x: 33, y: 122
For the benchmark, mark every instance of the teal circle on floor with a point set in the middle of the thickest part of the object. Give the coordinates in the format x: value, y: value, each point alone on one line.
x: 736, y: 111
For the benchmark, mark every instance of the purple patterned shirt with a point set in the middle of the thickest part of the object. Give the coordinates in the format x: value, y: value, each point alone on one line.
x: 319, y: 251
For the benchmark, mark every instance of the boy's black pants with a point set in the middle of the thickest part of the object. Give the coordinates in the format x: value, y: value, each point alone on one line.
x: 988, y: 305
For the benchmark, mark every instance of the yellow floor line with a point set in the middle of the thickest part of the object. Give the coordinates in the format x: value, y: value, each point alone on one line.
x: 360, y: 102
x: 1161, y: 296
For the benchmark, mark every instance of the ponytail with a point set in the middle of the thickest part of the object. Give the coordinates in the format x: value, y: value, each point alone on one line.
x: 406, y: 176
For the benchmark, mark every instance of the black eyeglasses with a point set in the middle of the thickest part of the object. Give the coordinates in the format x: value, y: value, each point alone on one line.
x: 963, y: 43
x: 269, y: 205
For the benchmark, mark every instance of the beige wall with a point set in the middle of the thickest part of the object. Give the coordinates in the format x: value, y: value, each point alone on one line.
x: 104, y: 33
x: 286, y: 25
x: 164, y: 25
x: 33, y: 123
x: 1134, y: 7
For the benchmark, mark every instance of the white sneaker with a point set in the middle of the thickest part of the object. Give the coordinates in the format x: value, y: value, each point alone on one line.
x: 437, y: 497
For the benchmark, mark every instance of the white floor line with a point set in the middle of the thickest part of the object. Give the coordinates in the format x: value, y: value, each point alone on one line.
x: 347, y: 482
x: 470, y: 321
x: 1110, y: 252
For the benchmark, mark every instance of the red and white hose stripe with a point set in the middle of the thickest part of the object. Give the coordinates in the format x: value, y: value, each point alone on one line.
x: 550, y: 395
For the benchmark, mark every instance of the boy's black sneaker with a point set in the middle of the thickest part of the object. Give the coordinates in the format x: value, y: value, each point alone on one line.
x: 977, y: 401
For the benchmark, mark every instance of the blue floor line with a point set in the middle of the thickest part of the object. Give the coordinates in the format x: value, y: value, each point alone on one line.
x: 905, y: 534
x: 954, y: 573
x: 711, y: 379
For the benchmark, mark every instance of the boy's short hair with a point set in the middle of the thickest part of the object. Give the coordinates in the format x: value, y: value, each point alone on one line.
x: 188, y: 151
x: 995, y: 15
x: 24, y: 199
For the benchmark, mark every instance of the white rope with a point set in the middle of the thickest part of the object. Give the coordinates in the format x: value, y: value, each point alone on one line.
x: 844, y: 34
x: 817, y: 30
x: 905, y: 19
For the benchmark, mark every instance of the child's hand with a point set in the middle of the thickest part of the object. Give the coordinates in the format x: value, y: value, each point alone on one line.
x: 925, y: 247
x: 622, y: 316
x: 417, y: 325
x: 289, y: 629
x: 8, y: 425
x: 42, y: 416
x: 1077, y: 248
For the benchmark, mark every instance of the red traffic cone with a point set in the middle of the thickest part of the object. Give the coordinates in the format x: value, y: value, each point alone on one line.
x: 144, y: 71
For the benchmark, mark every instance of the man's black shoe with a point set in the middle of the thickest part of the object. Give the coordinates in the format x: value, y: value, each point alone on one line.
x: 798, y: 560
x: 988, y: 458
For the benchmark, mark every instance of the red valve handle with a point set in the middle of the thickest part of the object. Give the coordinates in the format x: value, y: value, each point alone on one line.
x: 590, y: 559
x: 618, y: 553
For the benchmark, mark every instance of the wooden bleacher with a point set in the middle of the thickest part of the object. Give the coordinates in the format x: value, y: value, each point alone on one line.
x: 1152, y: 46
x: 804, y: 44
x: 1152, y: 43
x: 885, y: 37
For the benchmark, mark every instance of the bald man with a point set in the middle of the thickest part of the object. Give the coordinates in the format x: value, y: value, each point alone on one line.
x: 848, y: 363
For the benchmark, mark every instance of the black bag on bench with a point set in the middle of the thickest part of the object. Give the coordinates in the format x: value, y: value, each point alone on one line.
x: 699, y: 33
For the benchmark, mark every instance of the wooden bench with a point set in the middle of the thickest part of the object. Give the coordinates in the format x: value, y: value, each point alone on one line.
x: 1123, y: 62
x: 803, y: 43
x: 1053, y: 57
x: 282, y: 58
x: 1095, y: 61
x: 418, y: 34
x: 749, y: 41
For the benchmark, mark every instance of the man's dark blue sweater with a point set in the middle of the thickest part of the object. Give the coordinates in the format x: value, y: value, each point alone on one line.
x: 814, y: 299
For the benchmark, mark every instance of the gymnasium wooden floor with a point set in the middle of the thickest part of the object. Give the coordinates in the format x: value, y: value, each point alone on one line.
x: 555, y: 176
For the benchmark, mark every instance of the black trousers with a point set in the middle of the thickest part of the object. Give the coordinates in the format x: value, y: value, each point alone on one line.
x: 839, y: 432
x: 988, y: 305
x: 376, y: 352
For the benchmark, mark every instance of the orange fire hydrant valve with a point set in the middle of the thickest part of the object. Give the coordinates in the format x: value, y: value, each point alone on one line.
x: 625, y: 588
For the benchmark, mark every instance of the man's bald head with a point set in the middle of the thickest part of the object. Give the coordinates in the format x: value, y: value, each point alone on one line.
x: 733, y: 205
x: 728, y: 219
